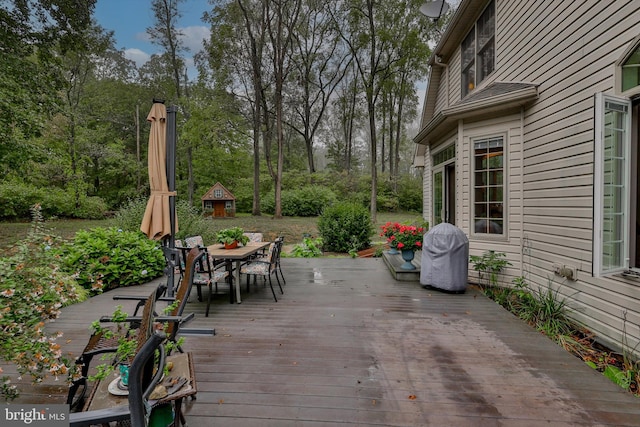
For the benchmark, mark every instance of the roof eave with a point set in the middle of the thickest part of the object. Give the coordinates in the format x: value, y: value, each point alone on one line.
x: 446, y: 119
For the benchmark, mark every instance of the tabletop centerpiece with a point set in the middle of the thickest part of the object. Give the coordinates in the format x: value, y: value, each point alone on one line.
x: 231, y: 237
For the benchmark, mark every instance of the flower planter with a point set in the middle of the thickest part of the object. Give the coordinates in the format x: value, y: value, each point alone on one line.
x: 231, y: 245
x: 407, y: 256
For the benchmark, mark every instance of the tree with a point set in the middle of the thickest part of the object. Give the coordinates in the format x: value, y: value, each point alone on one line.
x: 166, y: 34
x: 320, y: 61
x: 32, y: 34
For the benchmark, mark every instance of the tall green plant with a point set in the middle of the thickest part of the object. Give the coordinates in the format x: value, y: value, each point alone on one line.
x: 490, y: 263
x: 33, y: 288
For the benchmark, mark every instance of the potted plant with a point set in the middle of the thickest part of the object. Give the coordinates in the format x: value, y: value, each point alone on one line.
x: 408, y: 239
x: 231, y: 237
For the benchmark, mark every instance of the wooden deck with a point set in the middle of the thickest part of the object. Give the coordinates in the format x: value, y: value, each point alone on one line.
x: 348, y: 345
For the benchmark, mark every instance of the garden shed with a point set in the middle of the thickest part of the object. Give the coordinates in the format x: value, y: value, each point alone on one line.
x: 219, y: 202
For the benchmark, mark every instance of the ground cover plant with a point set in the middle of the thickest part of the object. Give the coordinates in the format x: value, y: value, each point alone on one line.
x: 547, y: 311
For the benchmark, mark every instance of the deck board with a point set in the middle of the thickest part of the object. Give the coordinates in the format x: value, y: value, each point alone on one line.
x: 348, y: 345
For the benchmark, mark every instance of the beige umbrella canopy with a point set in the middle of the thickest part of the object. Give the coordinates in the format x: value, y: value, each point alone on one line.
x: 156, y: 222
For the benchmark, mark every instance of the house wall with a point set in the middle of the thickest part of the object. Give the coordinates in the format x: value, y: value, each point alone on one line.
x: 569, y: 48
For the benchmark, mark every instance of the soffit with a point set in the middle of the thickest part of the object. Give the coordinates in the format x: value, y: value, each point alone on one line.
x: 495, y: 98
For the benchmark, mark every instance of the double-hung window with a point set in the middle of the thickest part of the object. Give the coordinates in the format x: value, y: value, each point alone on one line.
x: 488, y: 185
x: 612, y: 240
x: 478, y: 50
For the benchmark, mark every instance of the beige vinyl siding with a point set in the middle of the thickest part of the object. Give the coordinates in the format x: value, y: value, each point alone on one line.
x: 443, y: 96
x: 568, y: 48
x: 510, y: 128
x: 572, y: 58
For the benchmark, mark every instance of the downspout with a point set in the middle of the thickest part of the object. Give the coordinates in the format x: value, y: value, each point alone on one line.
x: 522, y: 237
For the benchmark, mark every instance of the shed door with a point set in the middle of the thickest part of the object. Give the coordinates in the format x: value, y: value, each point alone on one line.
x: 218, y: 209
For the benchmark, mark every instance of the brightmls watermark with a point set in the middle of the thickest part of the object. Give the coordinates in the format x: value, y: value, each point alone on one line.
x: 34, y: 415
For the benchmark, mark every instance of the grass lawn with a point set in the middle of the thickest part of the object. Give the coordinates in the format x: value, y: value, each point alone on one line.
x: 292, y: 228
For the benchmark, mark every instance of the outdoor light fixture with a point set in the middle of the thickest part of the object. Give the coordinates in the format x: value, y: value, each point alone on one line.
x: 434, y: 9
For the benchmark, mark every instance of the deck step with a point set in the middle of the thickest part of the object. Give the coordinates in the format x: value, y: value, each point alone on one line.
x: 394, y: 262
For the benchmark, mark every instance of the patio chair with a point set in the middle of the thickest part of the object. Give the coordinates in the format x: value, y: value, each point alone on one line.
x: 209, y: 272
x: 142, y: 381
x: 266, y: 266
x: 102, y: 343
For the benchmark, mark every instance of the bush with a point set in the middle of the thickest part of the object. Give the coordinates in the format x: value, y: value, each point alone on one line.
x: 309, y: 248
x: 345, y: 227
x: 306, y: 201
x: 107, y: 258
x: 33, y: 287
x: 17, y: 198
x: 190, y: 221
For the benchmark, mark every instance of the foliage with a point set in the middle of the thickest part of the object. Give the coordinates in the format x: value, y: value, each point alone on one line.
x: 307, y: 201
x: 491, y: 263
x: 230, y: 235
x: 107, y: 258
x: 345, y: 226
x: 123, y: 331
x: 410, y: 192
x: 309, y: 248
x: 17, y: 198
x: 546, y: 310
x: 403, y: 236
x: 33, y: 288
x: 190, y: 221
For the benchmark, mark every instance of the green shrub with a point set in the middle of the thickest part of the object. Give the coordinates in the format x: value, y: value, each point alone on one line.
x: 107, y: 258
x: 17, y: 198
x: 190, y: 221
x: 306, y: 201
x: 345, y: 227
x: 33, y: 287
x: 309, y: 248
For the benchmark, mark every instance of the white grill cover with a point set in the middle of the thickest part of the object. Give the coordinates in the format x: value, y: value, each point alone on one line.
x: 445, y: 258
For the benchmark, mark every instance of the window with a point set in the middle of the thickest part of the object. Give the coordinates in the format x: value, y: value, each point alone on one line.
x: 631, y: 70
x: 612, y: 239
x: 217, y: 193
x: 478, y: 51
x: 488, y: 185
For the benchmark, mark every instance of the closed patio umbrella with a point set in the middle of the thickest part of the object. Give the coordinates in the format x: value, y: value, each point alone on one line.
x: 156, y: 222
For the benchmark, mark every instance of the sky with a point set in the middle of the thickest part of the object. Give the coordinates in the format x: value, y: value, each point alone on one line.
x: 129, y: 19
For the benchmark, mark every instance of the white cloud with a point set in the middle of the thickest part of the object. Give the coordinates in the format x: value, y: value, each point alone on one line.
x: 136, y: 55
x: 193, y: 36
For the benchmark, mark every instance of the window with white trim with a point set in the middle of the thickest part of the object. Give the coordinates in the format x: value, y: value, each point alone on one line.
x: 478, y: 52
x: 488, y: 185
x: 218, y: 193
x: 613, y: 201
x: 630, y: 75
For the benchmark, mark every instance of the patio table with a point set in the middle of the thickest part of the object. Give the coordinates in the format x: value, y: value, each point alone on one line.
x: 239, y: 254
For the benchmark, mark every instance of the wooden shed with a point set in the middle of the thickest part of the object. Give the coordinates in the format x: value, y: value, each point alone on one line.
x: 219, y: 202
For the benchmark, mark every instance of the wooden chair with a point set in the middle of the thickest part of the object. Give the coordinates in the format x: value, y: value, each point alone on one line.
x: 266, y: 266
x: 101, y: 342
x: 106, y: 341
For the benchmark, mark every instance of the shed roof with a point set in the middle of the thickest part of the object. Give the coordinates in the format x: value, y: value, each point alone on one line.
x: 226, y: 194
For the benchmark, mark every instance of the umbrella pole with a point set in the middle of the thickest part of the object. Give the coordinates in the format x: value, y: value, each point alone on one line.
x: 171, y: 182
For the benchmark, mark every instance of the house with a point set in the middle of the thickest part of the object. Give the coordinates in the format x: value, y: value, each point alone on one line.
x: 529, y: 143
x: 219, y: 202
